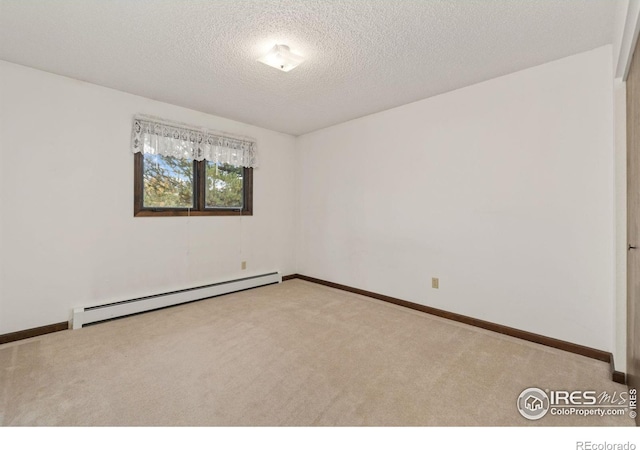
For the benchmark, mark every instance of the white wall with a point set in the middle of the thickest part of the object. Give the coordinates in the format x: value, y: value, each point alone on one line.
x: 625, y: 33
x: 68, y: 235
x: 620, y: 121
x: 504, y: 190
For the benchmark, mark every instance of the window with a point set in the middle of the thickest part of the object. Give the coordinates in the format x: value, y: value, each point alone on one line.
x: 187, y: 172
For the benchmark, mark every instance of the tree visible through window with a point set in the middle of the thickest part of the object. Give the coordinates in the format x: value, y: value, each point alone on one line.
x: 224, y: 186
x: 180, y: 170
x: 168, y: 182
x: 169, y: 186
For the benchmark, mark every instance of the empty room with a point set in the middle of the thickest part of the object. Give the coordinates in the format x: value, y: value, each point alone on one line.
x: 335, y: 213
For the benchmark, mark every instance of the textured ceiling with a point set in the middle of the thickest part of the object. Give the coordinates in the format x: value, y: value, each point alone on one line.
x: 362, y: 56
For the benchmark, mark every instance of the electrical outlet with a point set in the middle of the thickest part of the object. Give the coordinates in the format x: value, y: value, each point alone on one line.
x: 435, y: 283
x: 243, y: 265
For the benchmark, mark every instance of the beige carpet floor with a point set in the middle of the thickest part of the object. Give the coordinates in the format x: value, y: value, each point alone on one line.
x: 296, y: 353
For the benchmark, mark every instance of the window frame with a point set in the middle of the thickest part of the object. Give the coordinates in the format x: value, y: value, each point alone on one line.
x: 199, y: 189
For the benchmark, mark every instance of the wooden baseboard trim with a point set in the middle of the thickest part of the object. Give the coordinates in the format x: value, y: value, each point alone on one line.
x: 619, y: 377
x: 589, y: 352
x: 289, y: 277
x: 33, y: 332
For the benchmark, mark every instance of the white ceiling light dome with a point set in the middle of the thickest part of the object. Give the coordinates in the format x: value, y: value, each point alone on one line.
x: 281, y: 58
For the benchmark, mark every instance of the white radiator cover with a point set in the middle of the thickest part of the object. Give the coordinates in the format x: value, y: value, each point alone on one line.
x: 99, y: 313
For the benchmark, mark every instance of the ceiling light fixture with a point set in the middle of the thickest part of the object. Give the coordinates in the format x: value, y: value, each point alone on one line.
x: 281, y: 58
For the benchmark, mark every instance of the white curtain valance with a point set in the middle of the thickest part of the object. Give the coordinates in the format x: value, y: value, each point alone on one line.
x: 152, y: 136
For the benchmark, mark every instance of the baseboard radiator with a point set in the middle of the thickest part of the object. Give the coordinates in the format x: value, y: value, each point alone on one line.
x: 100, y: 313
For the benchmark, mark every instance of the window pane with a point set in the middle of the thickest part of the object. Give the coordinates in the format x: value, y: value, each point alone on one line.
x: 224, y: 186
x: 168, y: 182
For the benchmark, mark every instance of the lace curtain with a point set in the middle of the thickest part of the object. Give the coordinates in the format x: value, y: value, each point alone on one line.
x: 156, y: 137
